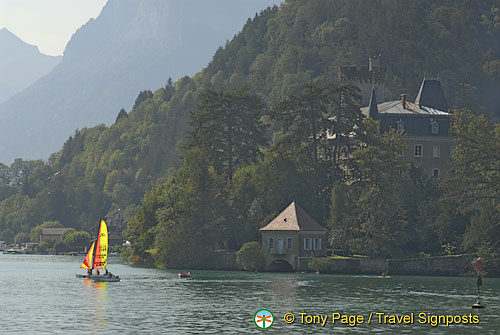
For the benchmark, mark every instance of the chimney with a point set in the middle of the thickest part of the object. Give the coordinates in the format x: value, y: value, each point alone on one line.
x: 403, y: 100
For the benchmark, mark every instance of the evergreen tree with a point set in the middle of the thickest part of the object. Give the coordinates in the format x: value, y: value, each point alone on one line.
x: 227, y: 125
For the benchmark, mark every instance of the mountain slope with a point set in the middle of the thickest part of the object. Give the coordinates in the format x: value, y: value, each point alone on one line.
x: 21, y: 64
x: 112, y: 167
x: 131, y: 46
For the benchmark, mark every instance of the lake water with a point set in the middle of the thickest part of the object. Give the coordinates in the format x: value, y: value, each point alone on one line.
x: 40, y: 295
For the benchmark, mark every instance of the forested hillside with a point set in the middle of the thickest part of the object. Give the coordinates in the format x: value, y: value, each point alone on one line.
x: 274, y: 58
x: 131, y: 46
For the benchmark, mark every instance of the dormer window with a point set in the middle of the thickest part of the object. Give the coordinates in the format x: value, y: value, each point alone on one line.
x: 434, y: 127
x: 400, y: 125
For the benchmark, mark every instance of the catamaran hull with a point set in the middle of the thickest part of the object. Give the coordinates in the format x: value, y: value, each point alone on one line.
x: 83, y: 276
x: 105, y: 279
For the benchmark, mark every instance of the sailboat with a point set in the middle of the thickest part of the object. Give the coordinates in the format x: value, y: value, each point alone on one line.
x: 97, y: 256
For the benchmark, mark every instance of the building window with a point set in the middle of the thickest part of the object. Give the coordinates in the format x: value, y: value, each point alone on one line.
x: 289, y: 243
x: 435, y: 173
x: 271, y: 243
x: 317, y: 244
x: 434, y: 127
x: 452, y: 152
x: 307, y: 244
x: 419, y: 150
x: 436, y: 152
x: 400, y: 125
x: 280, y: 245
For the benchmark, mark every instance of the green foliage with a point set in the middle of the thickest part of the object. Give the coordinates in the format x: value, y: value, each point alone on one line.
x: 353, y: 180
x: 226, y: 124
x: 21, y: 238
x: 143, y: 96
x: 475, y: 185
x: 491, y: 260
x: 42, y: 247
x: 68, y: 232
x: 77, y: 240
x: 448, y: 249
x: 121, y: 115
x: 60, y: 246
x: 250, y: 256
x: 321, y: 265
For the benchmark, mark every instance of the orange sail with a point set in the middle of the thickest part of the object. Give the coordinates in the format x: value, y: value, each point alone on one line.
x: 87, y: 262
x: 101, y: 248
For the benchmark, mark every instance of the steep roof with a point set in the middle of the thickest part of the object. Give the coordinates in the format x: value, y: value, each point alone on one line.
x: 294, y: 218
x: 395, y: 107
x: 431, y: 94
x: 372, y: 106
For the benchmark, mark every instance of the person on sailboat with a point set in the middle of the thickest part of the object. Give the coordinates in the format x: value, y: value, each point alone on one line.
x: 97, y: 272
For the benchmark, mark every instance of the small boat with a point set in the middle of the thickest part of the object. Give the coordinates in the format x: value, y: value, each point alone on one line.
x: 12, y: 251
x: 97, y: 256
x: 384, y: 275
x: 184, y: 274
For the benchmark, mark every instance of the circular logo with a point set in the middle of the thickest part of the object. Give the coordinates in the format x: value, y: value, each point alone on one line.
x: 263, y: 319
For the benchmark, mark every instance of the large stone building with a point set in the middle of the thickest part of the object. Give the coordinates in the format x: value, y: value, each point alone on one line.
x: 426, y: 124
x: 366, y: 78
x: 291, y: 238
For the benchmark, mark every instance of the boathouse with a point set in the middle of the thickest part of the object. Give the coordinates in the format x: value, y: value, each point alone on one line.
x: 292, y: 238
x: 55, y: 234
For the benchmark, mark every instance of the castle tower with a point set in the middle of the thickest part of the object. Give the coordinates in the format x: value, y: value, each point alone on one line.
x: 366, y: 78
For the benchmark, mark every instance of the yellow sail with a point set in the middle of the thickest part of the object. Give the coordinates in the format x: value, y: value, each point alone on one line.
x: 87, y: 262
x: 101, y: 248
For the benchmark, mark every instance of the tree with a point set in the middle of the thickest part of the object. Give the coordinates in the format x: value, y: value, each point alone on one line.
x: 143, y: 96
x: 42, y: 247
x: 326, y: 116
x: 121, y: 115
x: 227, y: 125
x: 250, y: 256
x: 368, y: 214
x: 325, y: 121
x: 21, y: 238
x: 475, y: 183
x: 77, y: 240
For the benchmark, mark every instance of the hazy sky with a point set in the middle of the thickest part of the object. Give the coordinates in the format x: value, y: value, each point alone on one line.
x: 48, y: 24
